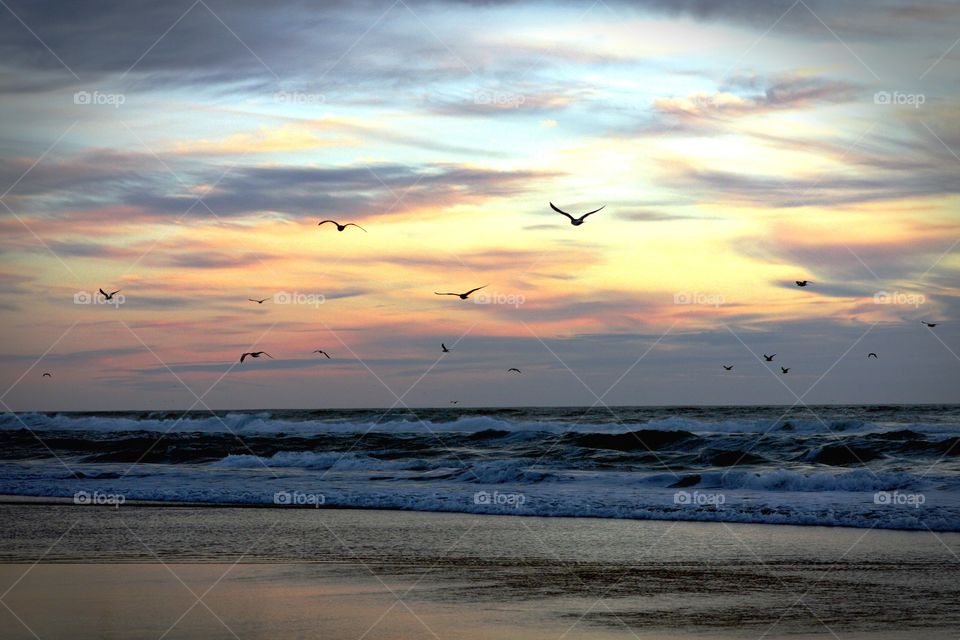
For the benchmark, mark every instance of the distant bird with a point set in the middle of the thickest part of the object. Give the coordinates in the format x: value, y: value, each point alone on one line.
x: 872, y: 355
x: 258, y: 301
x: 341, y: 227
x: 444, y: 347
x: 255, y: 354
x: 109, y: 296
x: 323, y: 352
x: 769, y: 358
x: 730, y: 368
x: 46, y: 375
x: 802, y: 283
x: 454, y: 402
x: 513, y: 369
x: 929, y: 324
x: 463, y: 296
x: 574, y: 221
x: 785, y: 369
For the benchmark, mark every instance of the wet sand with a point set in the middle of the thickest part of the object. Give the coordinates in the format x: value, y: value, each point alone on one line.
x: 323, y: 573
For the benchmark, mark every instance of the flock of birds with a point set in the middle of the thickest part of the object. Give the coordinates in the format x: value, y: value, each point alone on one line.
x: 575, y: 221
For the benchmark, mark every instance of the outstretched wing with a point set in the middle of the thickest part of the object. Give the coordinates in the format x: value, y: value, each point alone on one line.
x: 352, y: 224
x: 267, y: 354
x: 446, y: 294
x: 115, y: 292
x: 591, y: 213
x: 243, y: 356
x: 102, y: 292
x: 326, y: 221
x: 477, y: 289
x: 554, y: 207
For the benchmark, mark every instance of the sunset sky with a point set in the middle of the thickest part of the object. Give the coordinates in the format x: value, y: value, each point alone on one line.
x: 183, y: 152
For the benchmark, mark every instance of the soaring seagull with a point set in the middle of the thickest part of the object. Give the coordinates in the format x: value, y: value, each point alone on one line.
x: 768, y: 358
x: 513, y: 369
x: 46, y: 375
x: 444, y: 347
x: 323, y: 352
x: 341, y: 227
x: 929, y: 324
x: 730, y: 368
x: 802, y: 283
x: 258, y: 301
x: 463, y: 296
x: 785, y: 369
x: 109, y: 296
x: 872, y: 355
x: 574, y: 221
x: 255, y: 354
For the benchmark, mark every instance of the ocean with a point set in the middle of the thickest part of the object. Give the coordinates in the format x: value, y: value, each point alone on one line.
x: 890, y: 467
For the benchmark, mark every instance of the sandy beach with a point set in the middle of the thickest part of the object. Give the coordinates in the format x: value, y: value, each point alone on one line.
x: 212, y: 572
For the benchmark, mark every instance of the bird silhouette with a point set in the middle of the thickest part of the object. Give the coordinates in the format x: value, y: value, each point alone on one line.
x: 462, y: 296
x: 323, y: 352
x: 454, y: 402
x: 785, y: 369
x: 255, y: 354
x: 802, y: 283
x: 872, y: 355
x: 513, y: 369
x: 444, y: 347
x: 929, y: 324
x: 769, y: 358
x: 258, y: 301
x: 730, y: 368
x: 341, y: 227
x: 574, y: 221
x: 46, y: 375
x: 109, y: 296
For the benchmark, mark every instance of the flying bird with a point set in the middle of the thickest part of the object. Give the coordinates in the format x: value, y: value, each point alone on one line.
x: 323, y: 352
x: 730, y: 368
x: 802, y: 283
x: 255, y: 354
x: 444, y: 347
x: 574, y: 221
x: 109, y: 296
x: 513, y: 369
x: 872, y: 355
x: 929, y: 324
x: 463, y: 296
x: 341, y: 227
x: 768, y: 358
x: 454, y: 402
x: 46, y: 375
x: 258, y: 301
x: 785, y: 369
